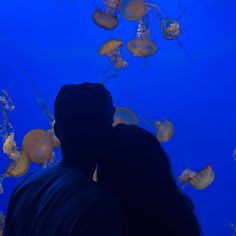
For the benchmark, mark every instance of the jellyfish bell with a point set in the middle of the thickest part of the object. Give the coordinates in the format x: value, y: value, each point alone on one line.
x: 106, y: 16
x: 124, y: 115
x: 38, y: 146
x: 19, y: 167
x: 198, y: 180
x: 170, y: 28
x: 110, y: 46
x: 105, y: 21
x: 165, y: 130
x: 142, y: 47
x: 132, y: 9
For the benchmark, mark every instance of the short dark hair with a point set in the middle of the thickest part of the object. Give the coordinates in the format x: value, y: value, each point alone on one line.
x: 82, y: 104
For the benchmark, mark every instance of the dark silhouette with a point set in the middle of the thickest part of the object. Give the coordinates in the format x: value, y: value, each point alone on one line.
x: 64, y: 200
x: 140, y: 175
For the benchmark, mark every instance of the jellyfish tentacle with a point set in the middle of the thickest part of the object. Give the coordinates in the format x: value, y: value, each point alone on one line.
x: 181, y: 45
x: 183, y: 7
x: 39, y: 99
x: 115, y: 74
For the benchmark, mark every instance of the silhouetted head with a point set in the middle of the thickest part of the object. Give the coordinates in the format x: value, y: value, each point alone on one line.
x: 139, y: 173
x: 83, y: 122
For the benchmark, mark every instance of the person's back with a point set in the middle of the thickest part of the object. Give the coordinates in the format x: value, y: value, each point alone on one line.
x: 139, y: 174
x: 63, y: 200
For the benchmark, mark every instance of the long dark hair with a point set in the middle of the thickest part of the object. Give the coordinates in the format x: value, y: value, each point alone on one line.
x: 139, y: 173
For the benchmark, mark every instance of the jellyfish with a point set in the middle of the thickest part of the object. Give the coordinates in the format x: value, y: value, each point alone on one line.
x: 198, y: 180
x: 112, y: 49
x: 2, y: 222
x: 164, y: 129
x: 19, y: 167
x: 38, y: 146
x: 142, y: 45
x: 105, y: 16
x: 170, y: 28
x: 132, y: 9
x: 124, y: 115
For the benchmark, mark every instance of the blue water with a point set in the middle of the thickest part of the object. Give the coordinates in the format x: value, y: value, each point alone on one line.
x: 57, y: 43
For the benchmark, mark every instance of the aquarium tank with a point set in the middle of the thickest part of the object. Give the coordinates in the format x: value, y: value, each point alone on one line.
x: 170, y: 66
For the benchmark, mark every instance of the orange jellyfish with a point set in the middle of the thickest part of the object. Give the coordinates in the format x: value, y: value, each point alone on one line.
x: 19, y: 167
x: 38, y: 146
x: 142, y: 45
x: 111, y: 48
x: 132, y: 9
x: 170, y: 28
x: 124, y: 115
x: 198, y: 180
x: 164, y: 130
x: 106, y: 16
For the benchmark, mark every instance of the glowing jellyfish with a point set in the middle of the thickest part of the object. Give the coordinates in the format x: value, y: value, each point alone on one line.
x: 55, y: 140
x: 106, y: 16
x: 38, y: 146
x: 132, y: 9
x: 124, y: 115
x: 170, y: 28
x: 142, y: 45
x: 2, y: 222
x: 111, y: 48
x: 198, y: 180
x: 164, y: 130
x: 18, y: 167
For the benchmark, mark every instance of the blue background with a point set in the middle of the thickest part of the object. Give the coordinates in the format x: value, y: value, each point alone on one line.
x: 57, y: 43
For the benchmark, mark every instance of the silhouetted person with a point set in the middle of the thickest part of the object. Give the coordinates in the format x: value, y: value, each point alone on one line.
x: 64, y: 200
x: 139, y: 174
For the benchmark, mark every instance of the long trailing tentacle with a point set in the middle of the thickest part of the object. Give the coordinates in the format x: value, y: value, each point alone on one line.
x: 105, y: 78
x: 40, y: 99
x: 180, y: 43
